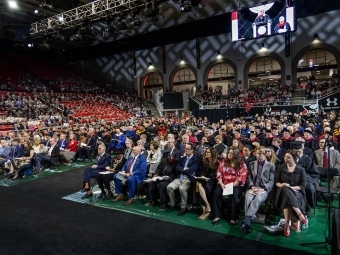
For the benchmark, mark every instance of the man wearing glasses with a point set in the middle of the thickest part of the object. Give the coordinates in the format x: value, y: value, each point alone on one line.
x: 187, y: 168
x: 261, y: 175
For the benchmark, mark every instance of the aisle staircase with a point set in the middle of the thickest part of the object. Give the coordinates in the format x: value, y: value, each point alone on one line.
x: 153, y: 108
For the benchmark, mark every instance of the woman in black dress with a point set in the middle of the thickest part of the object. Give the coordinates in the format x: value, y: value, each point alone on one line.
x: 206, y: 187
x: 290, y: 196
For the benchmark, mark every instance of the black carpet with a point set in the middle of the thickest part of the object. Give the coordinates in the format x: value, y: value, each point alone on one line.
x: 35, y: 220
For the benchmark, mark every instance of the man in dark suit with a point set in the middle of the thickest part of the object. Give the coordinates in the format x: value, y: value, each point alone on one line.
x: 311, y: 170
x: 167, y: 167
x: 104, y: 179
x: 188, y: 167
x: 90, y: 146
x: 306, y: 151
x: 103, y: 160
x: 52, y: 155
x: 135, y: 172
x: 261, y: 175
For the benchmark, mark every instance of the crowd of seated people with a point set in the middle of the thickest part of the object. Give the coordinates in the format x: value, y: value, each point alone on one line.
x: 259, y: 95
x: 200, y: 159
x: 255, y: 158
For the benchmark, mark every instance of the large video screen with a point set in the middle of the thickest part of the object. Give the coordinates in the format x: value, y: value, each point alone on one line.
x: 263, y: 20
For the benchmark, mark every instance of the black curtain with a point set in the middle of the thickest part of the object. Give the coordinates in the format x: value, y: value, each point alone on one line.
x: 173, y: 100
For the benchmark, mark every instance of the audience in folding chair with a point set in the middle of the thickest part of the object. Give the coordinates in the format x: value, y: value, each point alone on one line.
x: 70, y: 151
x: 260, y: 181
x: 321, y: 159
x: 103, y: 160
x: 134, y: 172
x: 51, y: 157
x: 104, y: 180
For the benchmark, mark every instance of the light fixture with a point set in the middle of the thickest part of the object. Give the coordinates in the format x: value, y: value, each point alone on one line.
x: 182, y: 60
x: 60, y: 18
x: 13, y: 4
x: 315, y: 36
x: 185, y: 6
x: 150, y: 65
x: 218, y: 53
x: 262, y: 45
x: 36, y: 11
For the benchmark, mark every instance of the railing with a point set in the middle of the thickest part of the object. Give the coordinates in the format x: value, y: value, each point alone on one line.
x: 158, y: 104
x: 197, y: 101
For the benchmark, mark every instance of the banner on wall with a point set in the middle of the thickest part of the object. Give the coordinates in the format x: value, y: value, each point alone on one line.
x: 331, y: 102
x: 164, y: 59
x: 198, y: 53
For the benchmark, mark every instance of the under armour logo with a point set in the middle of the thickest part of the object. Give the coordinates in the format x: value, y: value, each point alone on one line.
x: 329, y: 102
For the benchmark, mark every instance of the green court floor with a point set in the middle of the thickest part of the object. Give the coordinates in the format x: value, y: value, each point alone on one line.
x: 45, y: 172
x: 316, y: 231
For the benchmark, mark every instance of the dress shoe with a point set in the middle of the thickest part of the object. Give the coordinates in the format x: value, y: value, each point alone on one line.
x: 108, y: 196
x: 248, y: 228
x: 215, y: 222
x: 233, y: 223
x: 204, y: 216
x: 182, y: 212
x: 151, y: 204
x: 101, y: 195
x: 130, y: 201
x: 87, y: 195
x: 162, y: 207
x: 170, y: 209
x: 118, y: 198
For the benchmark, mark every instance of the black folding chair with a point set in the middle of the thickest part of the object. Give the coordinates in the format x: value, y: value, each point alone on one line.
x: 324, y: 189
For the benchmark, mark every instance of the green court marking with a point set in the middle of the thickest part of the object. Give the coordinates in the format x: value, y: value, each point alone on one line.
x: 315, y: 232
x: 45, y: 172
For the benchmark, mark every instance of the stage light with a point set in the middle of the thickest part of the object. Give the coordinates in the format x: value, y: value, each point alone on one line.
x: 218, y: 53
x: 13, y: 4
x: 315, y: 36
x: 60, y: 18
x: 185, y: 6
x: 150, y: 65
x: 262, y: 45
x: 36, y: 11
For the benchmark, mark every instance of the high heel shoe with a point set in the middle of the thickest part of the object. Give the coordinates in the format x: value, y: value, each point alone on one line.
x: 204, y: 216
x: 208, y: 209
x: 302, y: 218
x: 286, y: 230
x: 203, y: 208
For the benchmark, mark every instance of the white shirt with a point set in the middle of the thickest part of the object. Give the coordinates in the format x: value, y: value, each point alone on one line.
x: 50, y: 150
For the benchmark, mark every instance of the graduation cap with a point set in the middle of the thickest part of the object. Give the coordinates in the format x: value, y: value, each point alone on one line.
x: 274, y: 148
x: 297, y: 145
x: 274, y: 127
x: 308, y: 130
x: 120, y: 151
x: 249, y: 146
x: 252, y: 132
x: 237, y: 130
x: 257, y: 127
x: 285, y: 130
x: 268, y: 130
x: 207, y: 145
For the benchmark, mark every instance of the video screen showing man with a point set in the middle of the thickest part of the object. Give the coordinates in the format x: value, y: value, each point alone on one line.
x: 282, y: 26
x: 262, y: 17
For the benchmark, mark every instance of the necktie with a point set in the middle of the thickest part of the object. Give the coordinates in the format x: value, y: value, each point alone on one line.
x: 325, y: 159
x: 130, y: 165
x: 98, y: 158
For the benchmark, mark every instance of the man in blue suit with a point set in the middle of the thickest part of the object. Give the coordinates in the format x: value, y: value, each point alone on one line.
x: 102, y: 161
x: 16, y: 152
x: 62, y: 142
x: 134, y: 172
x: 187, y: 168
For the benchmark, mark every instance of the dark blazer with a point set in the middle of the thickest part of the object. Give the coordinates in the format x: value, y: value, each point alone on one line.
x: 139, y: 167
x: 103, y: 162
x: 267, y: 175
x: 193, y: 166
x: 310, y: 167
x: 91, y: 142
x: 281, y: 154
x: 308, y: 152
x: 120, y: 165
x: 167, y: 167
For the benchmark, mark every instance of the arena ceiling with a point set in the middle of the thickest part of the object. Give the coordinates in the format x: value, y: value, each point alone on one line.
x: 168, y: 25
